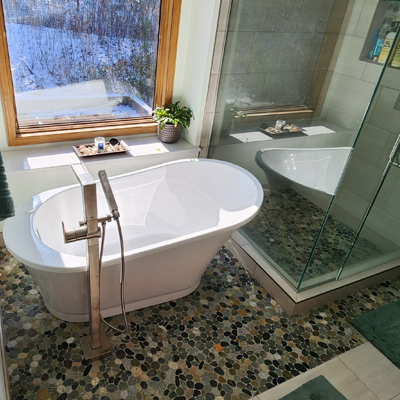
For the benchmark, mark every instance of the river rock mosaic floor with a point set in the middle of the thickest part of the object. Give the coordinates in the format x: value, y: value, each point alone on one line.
x: 228, y: 340
x: 285, y: 230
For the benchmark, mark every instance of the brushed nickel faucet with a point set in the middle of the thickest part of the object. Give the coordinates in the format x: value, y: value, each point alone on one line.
x: 95, y: 345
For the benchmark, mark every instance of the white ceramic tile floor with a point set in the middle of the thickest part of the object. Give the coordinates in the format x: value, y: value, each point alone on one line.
x: 363, y: 373
x: 379, y: 374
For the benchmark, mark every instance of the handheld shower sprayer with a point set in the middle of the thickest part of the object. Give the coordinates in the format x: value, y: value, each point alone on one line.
x: 112, y: 204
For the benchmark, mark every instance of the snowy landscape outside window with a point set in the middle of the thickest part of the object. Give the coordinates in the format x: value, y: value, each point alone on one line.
x: 85, y: 61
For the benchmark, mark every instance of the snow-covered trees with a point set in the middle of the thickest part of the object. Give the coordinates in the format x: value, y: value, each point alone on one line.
x: 55, y: 43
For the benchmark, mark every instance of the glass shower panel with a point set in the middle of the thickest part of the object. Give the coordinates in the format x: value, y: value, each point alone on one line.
x: 362, y: 180
x: 275, y: 66
x: 382, y: 227
x: 298, y: 64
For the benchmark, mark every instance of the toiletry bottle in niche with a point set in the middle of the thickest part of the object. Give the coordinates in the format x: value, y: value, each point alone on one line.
x: 386, y: 47
x: 396, y: 57
x: 380, y: 39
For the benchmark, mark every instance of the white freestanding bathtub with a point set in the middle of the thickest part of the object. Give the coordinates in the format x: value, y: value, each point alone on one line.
x: 175, y: 217
x: 312, y: 172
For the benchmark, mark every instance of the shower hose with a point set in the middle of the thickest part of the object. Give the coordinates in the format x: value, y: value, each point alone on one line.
x: 122, y: 277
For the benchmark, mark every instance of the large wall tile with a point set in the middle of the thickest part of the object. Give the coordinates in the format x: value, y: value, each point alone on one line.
x: 343, y: 121
x: 353, y: 204
x: 280, y: 52
x: 315, y: 49
x: 365, y: 20
x: 370, y: 144
x: 391, y: 78
x: 386, y: 193
x: 283, y: 15
x: 282, y: 36
x: 282, y: 88
x: 314, y: 16
x: 336, y: 52
x: 237, y: 52
x: 372, y: 73
x: 349, y: 96
x: 362, y: 179
x: 326, y: 51
x: 338, y: 13
x: 347, y: 62
x: 384, y: 159
x: 248, y: 15
x: 392, y: 204
x: 352, y: 17
x: 315, y: 93
x: 384, y: 224
x: 384, y: 115
x: 244, y: 88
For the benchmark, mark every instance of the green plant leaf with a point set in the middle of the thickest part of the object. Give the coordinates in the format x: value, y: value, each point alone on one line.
x: 173, y: 114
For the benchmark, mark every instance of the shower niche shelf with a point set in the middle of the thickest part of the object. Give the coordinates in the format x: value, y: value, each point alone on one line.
x: 387, y: 17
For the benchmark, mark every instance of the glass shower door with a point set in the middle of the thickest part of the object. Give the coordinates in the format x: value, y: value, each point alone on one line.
x: 364, y: 209
x: 300, y: 62
x: 381, y: 224
x: 276, y: 60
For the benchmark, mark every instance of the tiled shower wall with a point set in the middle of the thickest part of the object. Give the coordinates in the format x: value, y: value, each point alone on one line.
x: 376, y: 141
x: 272, y: 48
x: 349, y: 83
x: 267, y: 65
x: 349, y: 87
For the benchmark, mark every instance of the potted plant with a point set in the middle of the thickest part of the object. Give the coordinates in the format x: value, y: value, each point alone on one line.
x: 170, y: 121
x: 231, y: 114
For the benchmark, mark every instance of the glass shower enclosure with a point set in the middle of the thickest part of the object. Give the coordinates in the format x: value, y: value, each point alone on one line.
x: 310, y: 106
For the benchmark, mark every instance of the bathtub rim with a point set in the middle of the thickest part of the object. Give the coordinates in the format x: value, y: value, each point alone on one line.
x: 261, y: 163
x: 35, y: 254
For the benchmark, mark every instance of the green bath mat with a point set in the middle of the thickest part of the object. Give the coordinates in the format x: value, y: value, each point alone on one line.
x: 382, y: 328
x: 316, y: 389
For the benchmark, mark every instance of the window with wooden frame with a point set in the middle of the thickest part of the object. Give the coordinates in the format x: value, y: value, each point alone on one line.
x: 76, y: 69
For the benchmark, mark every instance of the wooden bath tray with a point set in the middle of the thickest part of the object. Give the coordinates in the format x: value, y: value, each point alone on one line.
x: 283, y: 133
x: 123, y: 148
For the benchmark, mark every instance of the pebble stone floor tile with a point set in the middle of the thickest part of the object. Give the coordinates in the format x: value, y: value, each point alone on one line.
x: 227, y: 340
x: 286, y: 227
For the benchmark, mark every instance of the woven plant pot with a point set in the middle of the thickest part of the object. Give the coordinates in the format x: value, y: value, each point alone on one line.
x: 169, y: 134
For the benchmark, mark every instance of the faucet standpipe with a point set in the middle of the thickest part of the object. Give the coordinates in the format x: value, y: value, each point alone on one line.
x: 95, y: 345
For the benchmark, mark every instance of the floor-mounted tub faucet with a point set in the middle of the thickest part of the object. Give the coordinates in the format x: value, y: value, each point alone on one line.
x: 95, y: 345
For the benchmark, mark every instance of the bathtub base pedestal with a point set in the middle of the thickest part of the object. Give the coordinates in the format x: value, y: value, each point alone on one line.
x: 95, y: 354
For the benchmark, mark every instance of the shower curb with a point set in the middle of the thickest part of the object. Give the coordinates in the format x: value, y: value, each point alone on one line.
x: 296, y: 303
